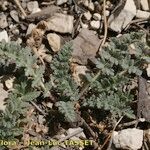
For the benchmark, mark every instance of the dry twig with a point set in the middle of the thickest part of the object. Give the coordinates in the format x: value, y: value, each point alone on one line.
x: 38, y: 108
x: 17, y: 2
x: 110, y: 136
x: 105, y: 26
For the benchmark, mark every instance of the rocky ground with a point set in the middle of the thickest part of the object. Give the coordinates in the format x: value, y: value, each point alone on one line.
x: 45, y: 26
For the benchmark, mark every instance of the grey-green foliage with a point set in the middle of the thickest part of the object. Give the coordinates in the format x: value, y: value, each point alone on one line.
x: 117, y: 68
x: 109, y: 91
x: 13, y: 119
x: 64, y: 86
x: 23, y: 58
x: 26, y: 87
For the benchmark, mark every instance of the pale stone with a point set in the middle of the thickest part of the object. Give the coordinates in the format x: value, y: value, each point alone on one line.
x: 4, y: 36
x: 54, y: 41
x: 85, y: 26
x: 128, y: 139
x: 35, y: 10
x: 148, y: 70
x: 60, y: 2
x: 72, y: 130
x: 119, y: 22
x: 60, y: 23
x: 32, y: 5
x: 89, y: 4
x: 97, y: 16
x: 15, y: 31
x: 87, y: 15
x: 95, y: 24
x: 3, y: 21
x: 142, y: 14
x: 49, y: 105
x: 14, y: 15
x: 41, y: 119
x: 30, y: 28
x: 107, y: 12
x: 85, y: 47
x: 48, y: 58
x: 145, y: 5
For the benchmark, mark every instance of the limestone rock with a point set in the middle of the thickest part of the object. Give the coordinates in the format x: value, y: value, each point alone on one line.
x: 145, y: 5
x: 117, y: 22
x: 3, y: 21
x: 89, y: 4
x: 60, y: 23
x: 60, y: 2
x: 32, y: 6
x: 77, y: 136
x: 95, y: 24
x: 85, y: 46
x: 14, y: 15
x: 87, y: 15
x: 97, y: 16
x: 142, y: 14
x: 148, y: 70
x: 4, y: 36
x: 54, y: 41
x: 30, y: 28
x: 128, y: 139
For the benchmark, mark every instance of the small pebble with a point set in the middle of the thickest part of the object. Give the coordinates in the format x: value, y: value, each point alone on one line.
x: 4, y: 5
x: 4, y: 36
x: 142, y: 14
x: 107, y: 12
x: 89, y: 4
x: 145, y: 5
x: 15, y: 31
x: 14, y: 15
x: 54, y: 41
x: 3, y: 21
x: 85, y: 26
x: 24, y: 4
x: 60, y: 2
x: 19, y: 41
x: 31, y: 6
x: 95, y: 24
x: 87, y: 15
x: 30, y: 28
x: 35, y: 10
x: 97, y: 16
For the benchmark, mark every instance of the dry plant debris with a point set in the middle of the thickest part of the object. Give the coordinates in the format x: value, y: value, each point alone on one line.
x: 108, y: 50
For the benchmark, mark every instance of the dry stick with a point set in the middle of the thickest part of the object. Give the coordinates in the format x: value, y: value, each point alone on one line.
x: 87, y: 86
x: 17, y: 2
x: 109, y: 146
x: 87, y: 127
x: 48, y: 3
x: 136, y: 21
x: 99, y: 49
x: 38, y: 108
x: 105, y: 25
x: 141, y: 28
x: 71, y: 135
x: 110, y: 135
x: 128, y: 124
x: 146, y: 146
